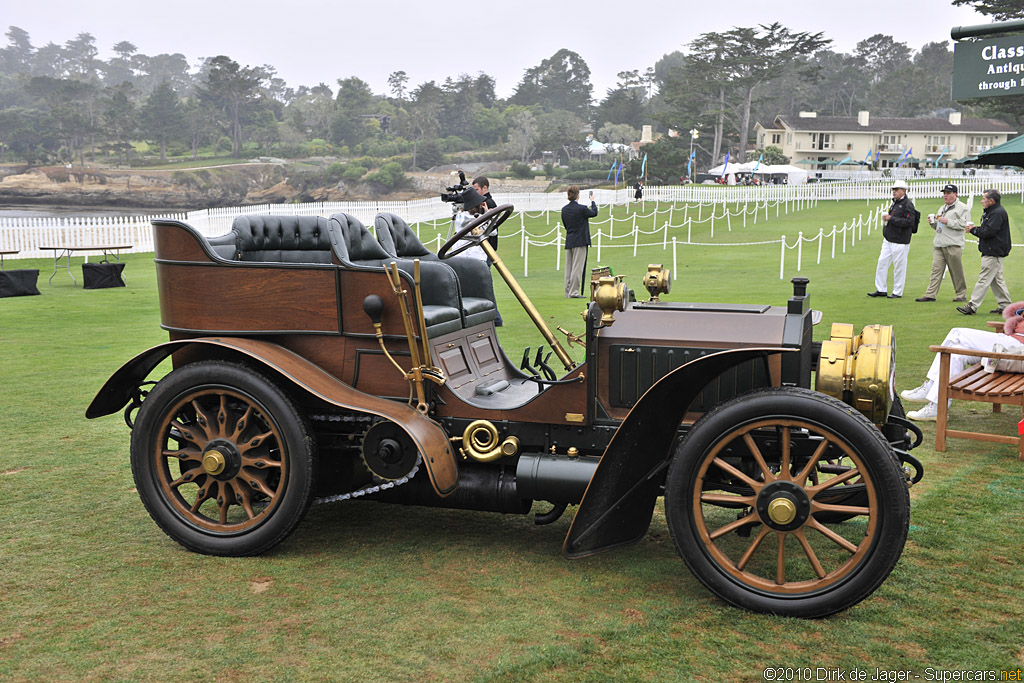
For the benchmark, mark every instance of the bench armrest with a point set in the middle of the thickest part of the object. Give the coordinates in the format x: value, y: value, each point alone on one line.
x: 976, y: 354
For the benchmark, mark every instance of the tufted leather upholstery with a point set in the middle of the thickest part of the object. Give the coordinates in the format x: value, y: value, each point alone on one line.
x: 355, y: 246
x: 285, y: 239
x: 476, y: 290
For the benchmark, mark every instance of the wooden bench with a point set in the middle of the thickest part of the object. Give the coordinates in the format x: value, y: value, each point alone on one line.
x: 974, y: 384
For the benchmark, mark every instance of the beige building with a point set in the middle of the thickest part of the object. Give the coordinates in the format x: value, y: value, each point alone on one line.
x: 809, y: 137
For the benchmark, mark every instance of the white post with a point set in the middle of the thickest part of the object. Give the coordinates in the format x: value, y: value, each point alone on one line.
x: 599, y: 233
x: 744, y: 215
x: 670, y: 208
x: 664, y: 238
x: 782, y: 260
x: 526, y: 260
x: 636, y: 235
x: 728, y: 218
x: 700, y: 212
x: 833, y: 242
x: 755, y: 213
x: 821, y: 238
x: 522, y: 244
x: 558, y: 248
x: 799, y: 250
x: 689, y: 228
x: 844, y: 238
x: 675, y: 263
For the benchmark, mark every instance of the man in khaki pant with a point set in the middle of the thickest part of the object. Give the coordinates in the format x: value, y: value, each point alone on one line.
x: 994, y: 244
x: 948, y: 247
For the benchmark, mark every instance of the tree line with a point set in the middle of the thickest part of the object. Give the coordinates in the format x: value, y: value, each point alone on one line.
x: 62, y: 104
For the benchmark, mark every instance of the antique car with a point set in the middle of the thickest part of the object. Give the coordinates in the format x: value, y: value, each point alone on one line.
x: 316, y: 361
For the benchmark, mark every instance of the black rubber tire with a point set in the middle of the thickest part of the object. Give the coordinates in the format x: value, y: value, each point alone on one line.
x: 855, y: 578
x: 284, y: 455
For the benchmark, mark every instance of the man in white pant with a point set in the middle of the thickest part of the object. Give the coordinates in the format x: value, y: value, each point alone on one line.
x: 900, y: 222
x: 964, y: 338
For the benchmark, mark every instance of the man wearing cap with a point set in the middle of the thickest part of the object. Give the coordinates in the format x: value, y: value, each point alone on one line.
x: 948, y: 247
x: 899, y: 226
x: 994, y: 244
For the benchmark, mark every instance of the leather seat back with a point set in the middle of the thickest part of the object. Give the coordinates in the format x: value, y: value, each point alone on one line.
x: 283, y: 239
x: 354, y: 244
x: 398, y: 239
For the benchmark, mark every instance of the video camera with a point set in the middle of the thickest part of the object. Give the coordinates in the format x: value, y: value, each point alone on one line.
x: 454, y: 192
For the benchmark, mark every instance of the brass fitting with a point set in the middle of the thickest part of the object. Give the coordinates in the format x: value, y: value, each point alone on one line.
x: 610, y: 297
x: 658, y: 280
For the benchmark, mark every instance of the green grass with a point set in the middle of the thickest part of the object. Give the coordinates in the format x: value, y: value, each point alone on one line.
x: 91, y: 589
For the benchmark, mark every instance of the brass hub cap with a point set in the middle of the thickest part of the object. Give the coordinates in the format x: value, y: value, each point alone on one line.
x: 781, y: 510
x: 214, y: 462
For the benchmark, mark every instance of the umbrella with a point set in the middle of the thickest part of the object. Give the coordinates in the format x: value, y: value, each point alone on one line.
x: 809, y: 162
x: 1010, y: 152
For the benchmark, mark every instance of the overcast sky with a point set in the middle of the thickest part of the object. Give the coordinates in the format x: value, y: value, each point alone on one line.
x: 312, y: 41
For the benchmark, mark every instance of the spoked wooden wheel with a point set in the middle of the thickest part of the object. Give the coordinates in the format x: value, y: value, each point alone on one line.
x: 750, y: 486
x: 221, y: 459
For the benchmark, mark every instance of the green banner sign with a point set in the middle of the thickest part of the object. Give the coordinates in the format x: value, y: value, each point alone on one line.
x: 988, y: 68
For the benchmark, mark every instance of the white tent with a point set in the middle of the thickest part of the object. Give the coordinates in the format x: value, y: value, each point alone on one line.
x: 794, y: 175
x: 732, y: 170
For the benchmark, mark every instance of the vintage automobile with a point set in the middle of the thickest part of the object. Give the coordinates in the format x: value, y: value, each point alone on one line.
x: 313, y: 360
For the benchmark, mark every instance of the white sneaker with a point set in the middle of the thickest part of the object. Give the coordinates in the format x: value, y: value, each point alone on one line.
x: 918, y: 394
x: 929, y: 413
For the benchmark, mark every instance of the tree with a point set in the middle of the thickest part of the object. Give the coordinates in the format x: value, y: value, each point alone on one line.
x: 17, y: 56
x: 560, y: 130
x: 397, y: 81
x: 353, y: 102
x: 522, y: 132
x: 1000, y: 10
x: 119, y: 120
x: 761, y: 54
x: 561, y: 81
x: 230, y: 88
x: 881, y: 55
x: 81, y: 56
x: 120, y: 68
x: 619, y: 133
x: 162, y: 118
x: 771, y: 155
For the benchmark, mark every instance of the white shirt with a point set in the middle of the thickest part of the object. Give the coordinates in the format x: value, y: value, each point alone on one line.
x: 461, y: 219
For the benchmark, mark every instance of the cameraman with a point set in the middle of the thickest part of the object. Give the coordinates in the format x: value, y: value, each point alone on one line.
x: 482, y: 185
x: 473, y: 204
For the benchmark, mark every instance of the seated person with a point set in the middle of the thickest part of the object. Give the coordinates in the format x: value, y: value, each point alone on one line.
x: 473, y: 204
x: 970, y: 340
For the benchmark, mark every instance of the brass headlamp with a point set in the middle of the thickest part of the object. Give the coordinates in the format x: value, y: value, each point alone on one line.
x: 658, y: 280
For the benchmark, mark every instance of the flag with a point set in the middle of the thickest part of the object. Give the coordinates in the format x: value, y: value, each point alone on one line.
x: 844, y: 160
x: 878, y: 153
x: 944, y: 150
x: 643, y: 167
x: 868, y: 157
x: 610, y: 171
x: 726, y: 165
x: 617, y: 171
x: 758, y: 164
x: 906, y: 156
x: 689, y: 164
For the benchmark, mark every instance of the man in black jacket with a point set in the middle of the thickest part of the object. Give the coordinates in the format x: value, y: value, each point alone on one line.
x: 576, y: 221
x: 482, y: 185
x: 899, y: 226
x: 994, y: 244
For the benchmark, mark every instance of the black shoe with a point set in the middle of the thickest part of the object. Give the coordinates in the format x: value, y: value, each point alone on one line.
x: 895, y: 296
x: 960, y: 298
x: 997, y: 311
x: 925, y: 298
x: 966, y: 310
x: 876, y: 293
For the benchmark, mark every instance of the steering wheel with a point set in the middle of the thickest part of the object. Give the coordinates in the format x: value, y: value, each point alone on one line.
x: 488, y: 222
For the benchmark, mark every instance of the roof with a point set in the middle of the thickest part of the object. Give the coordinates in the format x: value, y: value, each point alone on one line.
x: 879, y: 124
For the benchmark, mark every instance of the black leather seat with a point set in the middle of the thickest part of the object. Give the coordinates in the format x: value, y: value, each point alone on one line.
x: 357, y: 248
x: 476, y: 289
x: 278, y: 239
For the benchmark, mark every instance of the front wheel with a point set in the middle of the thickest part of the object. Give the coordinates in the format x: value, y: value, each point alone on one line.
x: 222, y: 459
x: 750, y: 490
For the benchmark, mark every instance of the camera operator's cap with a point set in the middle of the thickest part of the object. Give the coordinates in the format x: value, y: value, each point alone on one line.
x: 900, y: 185
x: 950, y: 187
x: 472, y: 198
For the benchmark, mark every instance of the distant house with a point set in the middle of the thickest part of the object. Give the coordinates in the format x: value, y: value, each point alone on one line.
x: 810, y: 140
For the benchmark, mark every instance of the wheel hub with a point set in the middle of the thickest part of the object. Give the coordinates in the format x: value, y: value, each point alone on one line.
x: 783, y: 505
x: 214, y: 462
x: 221, y: 459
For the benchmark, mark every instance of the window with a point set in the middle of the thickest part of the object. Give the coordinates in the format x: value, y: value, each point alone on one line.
x: 776, y: 138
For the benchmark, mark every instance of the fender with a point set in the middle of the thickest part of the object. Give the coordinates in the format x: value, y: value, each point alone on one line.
x: 428, y: 436
x: 618, y: 505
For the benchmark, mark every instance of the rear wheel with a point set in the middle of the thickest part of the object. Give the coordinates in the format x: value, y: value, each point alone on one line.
x: 222, y: 459
x: 747, y: 490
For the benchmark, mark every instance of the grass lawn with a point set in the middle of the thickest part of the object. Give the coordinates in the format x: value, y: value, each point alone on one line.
x: 91, y: 589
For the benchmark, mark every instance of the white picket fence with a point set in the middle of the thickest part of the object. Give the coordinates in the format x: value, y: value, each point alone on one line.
x: 26, y: 235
